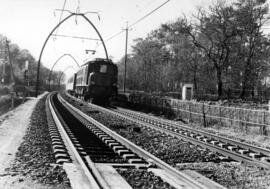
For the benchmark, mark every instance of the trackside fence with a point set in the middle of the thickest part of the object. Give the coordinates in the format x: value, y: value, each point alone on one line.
x: 207, y: 115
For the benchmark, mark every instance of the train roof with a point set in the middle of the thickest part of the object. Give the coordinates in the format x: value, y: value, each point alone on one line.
x: 98, y: 60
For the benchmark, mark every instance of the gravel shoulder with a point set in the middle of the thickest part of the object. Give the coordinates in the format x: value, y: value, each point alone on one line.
x: 12, y: 130
x: 26, y: 159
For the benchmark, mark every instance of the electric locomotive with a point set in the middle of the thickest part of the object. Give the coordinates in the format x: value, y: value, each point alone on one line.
x: 96, y: 80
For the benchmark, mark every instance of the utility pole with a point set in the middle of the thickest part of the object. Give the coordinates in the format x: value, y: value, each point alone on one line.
x: 126, y: 58
x: 10, y: 63
x: 3, y: 66
x: 12, y: 75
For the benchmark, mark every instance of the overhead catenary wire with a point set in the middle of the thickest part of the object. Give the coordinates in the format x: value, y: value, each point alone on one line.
x: 61, y: 15
x: 137, y: 21
x: 76, y: 37
x: 151, y: 12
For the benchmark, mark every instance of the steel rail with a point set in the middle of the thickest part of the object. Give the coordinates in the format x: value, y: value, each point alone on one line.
x: 185, y: 179
x: 92, y: 182
x: 175, y: 128
x: 210, y: 135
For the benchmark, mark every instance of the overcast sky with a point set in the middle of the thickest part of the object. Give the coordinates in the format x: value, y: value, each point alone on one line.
x: 28, y: 23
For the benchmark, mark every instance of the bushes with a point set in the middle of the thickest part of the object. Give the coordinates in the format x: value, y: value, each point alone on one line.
x: 4, y: 90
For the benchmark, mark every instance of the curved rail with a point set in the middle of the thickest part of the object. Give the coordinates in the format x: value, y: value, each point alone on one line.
x: 187, y: 181
x: 74, y: 153
x: 237, y: 150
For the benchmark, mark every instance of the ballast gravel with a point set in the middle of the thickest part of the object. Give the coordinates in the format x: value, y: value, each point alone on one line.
x: 181, y: 154
x: 34, y: 158
x: 139, y: 179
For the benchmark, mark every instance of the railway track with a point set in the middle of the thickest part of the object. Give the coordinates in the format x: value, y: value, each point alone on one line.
x: 229, y: 148
x: 99, y: 149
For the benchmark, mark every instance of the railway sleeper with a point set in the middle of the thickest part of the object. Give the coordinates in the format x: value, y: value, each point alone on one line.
x: 214, y: 142
x: 199, y: 137
x: 193, y: 135
x: 206, y: 140
x: 61, y: 156
x: 222, y: 145
x: 55, y: 136
x: 62, y: 161
x: 95, y: 129
x: 83, y: 153
x: 102, y: 135
x: 123, y: 151
x: 255, y: 155
x: 76, y: 142
x: 57, y: 143
x: 77, y: 145
x: 129, y: 156
x: 232, y: 148
x: 58, y: 147
x: 80, y: 149
x: 267, y: 159
x: 113, y: 144
x: 100, y: 153
x: 108, y: 141
x: 116, y: 148
x: 53, y: 132
x: 137, y: 161
x: 225, y: 158
x: 243, y: 151
x: 74, y: 139
x: 56, y: 151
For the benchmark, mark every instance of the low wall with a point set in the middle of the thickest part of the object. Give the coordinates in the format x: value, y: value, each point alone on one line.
x: 206, y: 114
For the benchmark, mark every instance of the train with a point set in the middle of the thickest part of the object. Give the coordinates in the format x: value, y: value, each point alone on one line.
x: 95, y: 81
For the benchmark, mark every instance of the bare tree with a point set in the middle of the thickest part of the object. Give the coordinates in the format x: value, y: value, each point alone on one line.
x: 250, y: 16
x: 213, y: 34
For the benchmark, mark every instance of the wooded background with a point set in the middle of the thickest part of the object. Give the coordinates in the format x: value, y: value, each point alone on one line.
x: 15, y: 75
x: 222, y: 50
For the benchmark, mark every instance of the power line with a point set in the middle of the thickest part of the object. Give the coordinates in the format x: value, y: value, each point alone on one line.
x: 76, y: 37
x: 113, y: 36
x: 61, y: 15
x: 139, y: 20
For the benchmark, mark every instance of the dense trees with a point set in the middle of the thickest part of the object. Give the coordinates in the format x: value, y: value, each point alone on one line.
x: 220, y: 50
x: 16, y: 73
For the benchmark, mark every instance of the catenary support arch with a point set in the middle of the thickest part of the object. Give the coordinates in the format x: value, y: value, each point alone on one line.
x: 50, y: 74
x: 62, y: 75
x: 48, y: 37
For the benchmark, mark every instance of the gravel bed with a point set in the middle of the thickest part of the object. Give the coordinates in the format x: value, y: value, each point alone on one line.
x: 236, y: 134
x: 232, y: 175
x: 34, y: 157
x: 175, y: 152
x: 170, y: 150
x: 141, y: 179
x: 250, y: 136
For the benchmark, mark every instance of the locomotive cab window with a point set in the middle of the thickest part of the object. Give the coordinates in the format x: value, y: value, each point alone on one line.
x: 103, y: 69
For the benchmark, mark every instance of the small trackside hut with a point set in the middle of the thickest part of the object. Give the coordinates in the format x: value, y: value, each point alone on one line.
x: 96, y: 80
